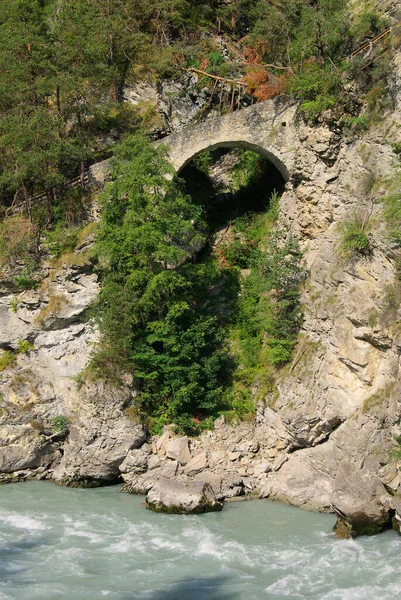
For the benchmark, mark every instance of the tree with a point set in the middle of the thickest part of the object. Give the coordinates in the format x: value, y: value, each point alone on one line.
x: 152, y: 308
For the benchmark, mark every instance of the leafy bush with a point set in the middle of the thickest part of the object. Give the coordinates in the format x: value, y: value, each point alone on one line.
x: 26, y: 280
x: 62, y: 239
x: 319, y: 88
x: 60, y: 424
x: 152, y: 308
x: 14, y: 304
x: 269, y: 313
x: 354, y: 238
x: 25, y: 346
x: 354, y: 124
x: 203, y: 161
x: 7, y: 359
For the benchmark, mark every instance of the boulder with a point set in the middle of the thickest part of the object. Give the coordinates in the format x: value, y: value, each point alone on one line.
x: 23, y: 447
x: 396, y: 508
x: 212, y: 478
x: 196, y: 464
x: 360, y: 502
x: 178, y: 449
x: 153, y: 462
x: 101, y: 438
x: 135, y: 462
x: 178, y: 497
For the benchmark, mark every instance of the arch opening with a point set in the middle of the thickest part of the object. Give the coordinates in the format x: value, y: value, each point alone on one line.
x: 230, y: 182
x: 242, y: 145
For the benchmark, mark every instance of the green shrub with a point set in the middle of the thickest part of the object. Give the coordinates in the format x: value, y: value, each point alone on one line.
x: 62, y: 239
x: 152, y: 309
x: 7, y: 359
x: 203, y: 161
x: 367, y: 22
x: 354, y: 124
x: 26, y: 280
x: 24, y: 346
x: 14, y: 304
x: 319, y: 88
x: 60, y: 424
x: 354, y: 239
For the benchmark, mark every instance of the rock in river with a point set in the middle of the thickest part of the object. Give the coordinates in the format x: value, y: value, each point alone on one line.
x: 179, y: 497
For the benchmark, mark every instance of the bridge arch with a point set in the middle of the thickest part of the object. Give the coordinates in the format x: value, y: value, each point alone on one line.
x: 268, y: 128
x: 244, y: 145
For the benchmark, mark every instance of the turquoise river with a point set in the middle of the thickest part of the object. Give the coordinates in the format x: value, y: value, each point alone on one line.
x: 88, y: 544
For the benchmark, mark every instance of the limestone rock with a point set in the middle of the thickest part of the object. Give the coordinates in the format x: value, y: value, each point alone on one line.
x: 182, y: 498
x: 169, y: 469
x: 178, y: 449
x: 361, y: 504
x: 100, y: 438
x: 23, y: 447
x: 135, y: 462
x: 161, y: 443
x: 153, y: 462
x: 213, y: 479
x: 196, y: 464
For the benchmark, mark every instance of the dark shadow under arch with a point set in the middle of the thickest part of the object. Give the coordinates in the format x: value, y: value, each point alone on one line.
x: 223, y: 206
x: 244, y: 145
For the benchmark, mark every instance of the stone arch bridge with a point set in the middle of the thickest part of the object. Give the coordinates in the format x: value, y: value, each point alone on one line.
x: 268, y: 128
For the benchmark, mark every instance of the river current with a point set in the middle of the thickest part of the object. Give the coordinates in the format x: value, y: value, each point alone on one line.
x: 86, y: 544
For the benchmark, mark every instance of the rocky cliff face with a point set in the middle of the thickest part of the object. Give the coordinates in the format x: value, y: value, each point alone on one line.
x: 323, y: 442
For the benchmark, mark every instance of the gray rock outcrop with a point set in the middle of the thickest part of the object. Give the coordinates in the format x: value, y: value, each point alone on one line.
x: 100, y: 438
x: 177, y: 497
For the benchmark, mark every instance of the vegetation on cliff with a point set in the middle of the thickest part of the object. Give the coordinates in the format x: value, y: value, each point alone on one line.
x: 201, y: 324
x: 65, y: 65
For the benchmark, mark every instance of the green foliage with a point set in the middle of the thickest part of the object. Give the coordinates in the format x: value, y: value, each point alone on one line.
x: 24, y: 346
x: 61, y: 239
x: 366, y: 23
x: 354, y: 124
x: 152, y: 308
x: 8, y: 357
x: 246, y: 170
x: 25, y: 280
x: 14, y: 304
x: 354, y: 240
x: 270, y: 311
x: 319, y: 87
x: 7, y: 360
x: 168, y: 318
x: 60, y: 424
x: 203, y: 161
x: 268, y: 314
